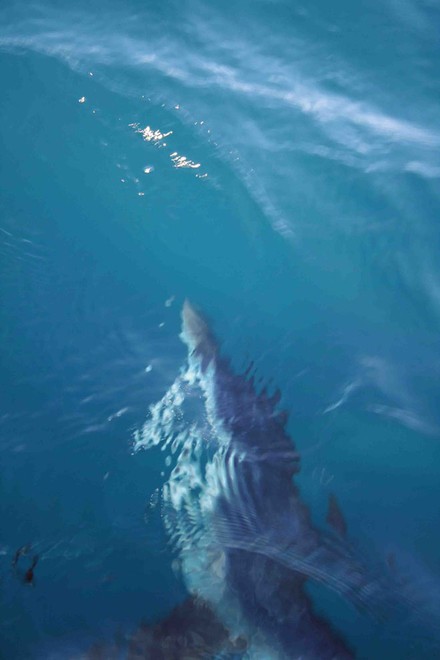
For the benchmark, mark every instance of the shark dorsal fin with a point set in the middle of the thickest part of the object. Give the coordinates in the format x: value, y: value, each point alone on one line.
x: 335, y: 517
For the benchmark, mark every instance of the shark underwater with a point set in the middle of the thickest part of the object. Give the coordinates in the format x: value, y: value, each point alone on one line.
x: 245, y: 541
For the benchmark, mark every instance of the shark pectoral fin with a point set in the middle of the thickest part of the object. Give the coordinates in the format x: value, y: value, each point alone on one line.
x: 335, y: 566
x: 367, y: 585
x: 335, y: 518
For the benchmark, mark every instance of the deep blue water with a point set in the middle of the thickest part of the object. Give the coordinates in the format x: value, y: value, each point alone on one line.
x: 303, y: 221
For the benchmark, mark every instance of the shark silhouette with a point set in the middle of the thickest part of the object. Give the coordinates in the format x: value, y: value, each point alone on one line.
x: 246, y: 545
x: 270, y: 545
x: 244, y: 527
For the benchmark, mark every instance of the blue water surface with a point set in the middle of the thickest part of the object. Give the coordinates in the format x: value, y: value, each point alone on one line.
x: 278, y: 164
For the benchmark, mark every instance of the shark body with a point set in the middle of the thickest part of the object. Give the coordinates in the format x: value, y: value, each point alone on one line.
x: 246, y: 545
x: 271, y: 547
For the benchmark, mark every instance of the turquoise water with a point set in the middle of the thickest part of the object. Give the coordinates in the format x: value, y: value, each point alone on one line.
x: 288, y: 184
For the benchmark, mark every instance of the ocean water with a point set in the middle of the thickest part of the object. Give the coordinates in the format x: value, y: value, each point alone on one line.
x: 277, y: 163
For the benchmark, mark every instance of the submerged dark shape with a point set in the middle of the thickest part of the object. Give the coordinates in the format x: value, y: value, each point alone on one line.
x: 265, y: 530
x: 29, y: 575
x: 192, y: 631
